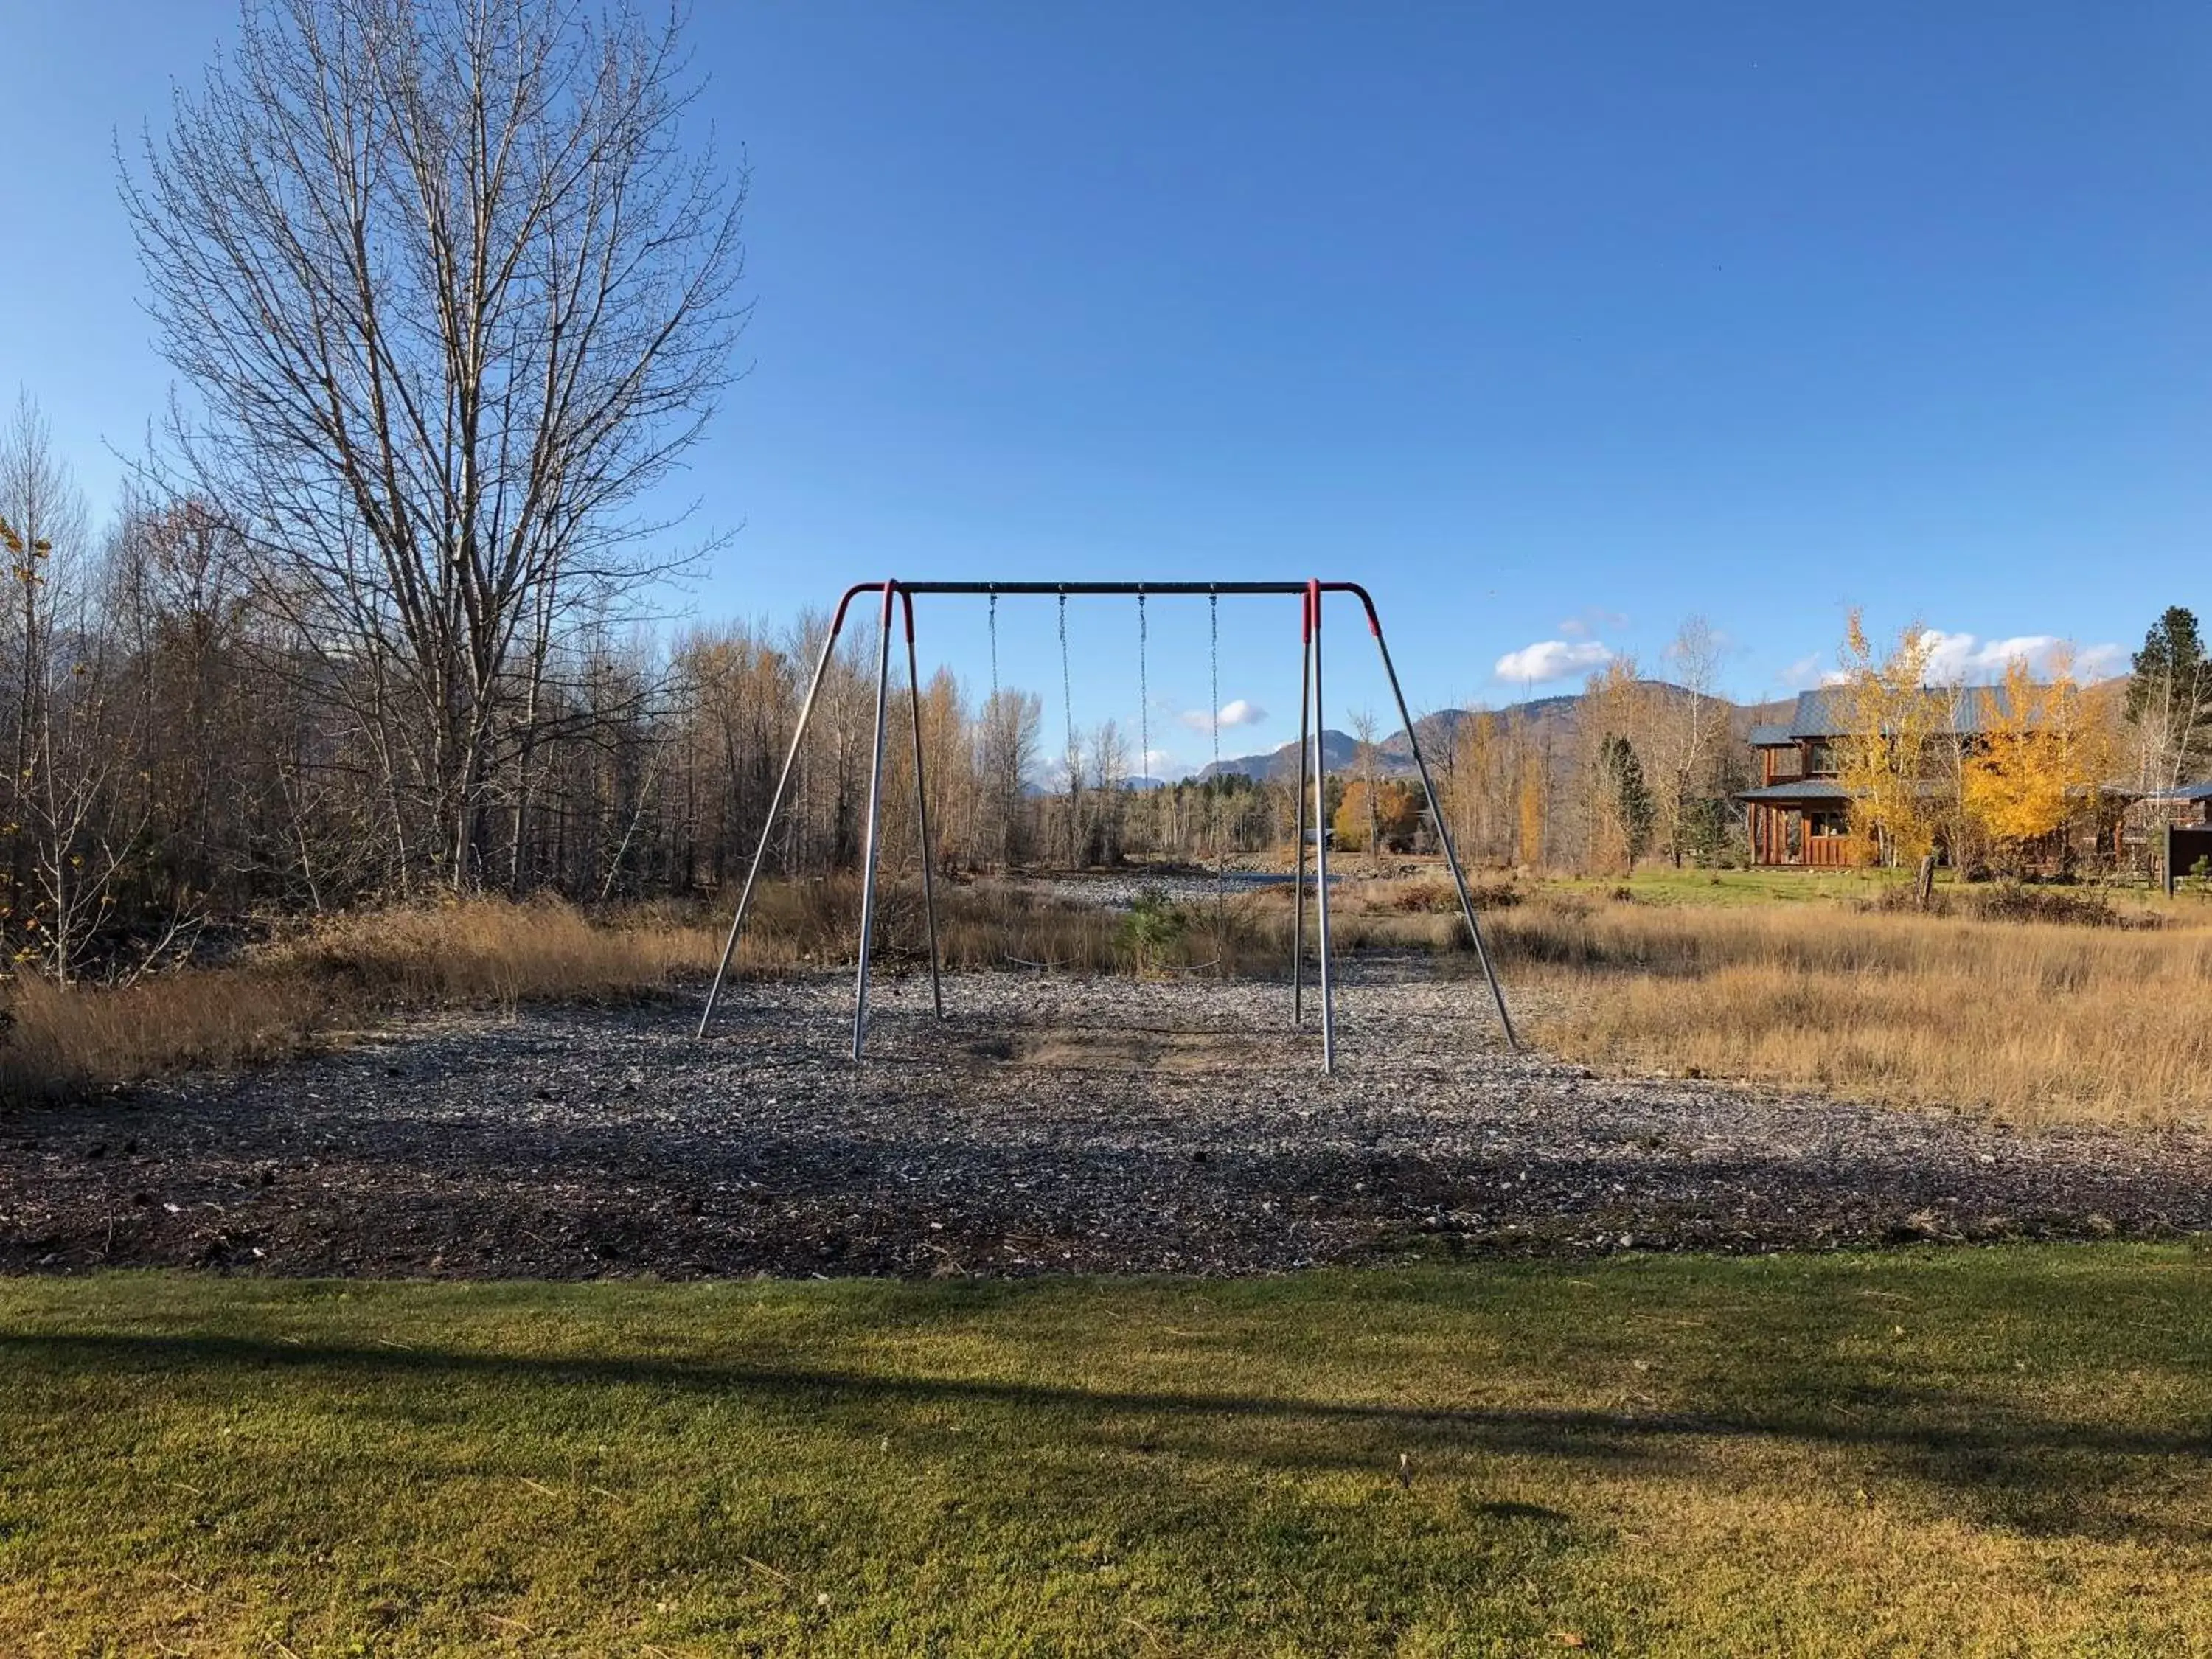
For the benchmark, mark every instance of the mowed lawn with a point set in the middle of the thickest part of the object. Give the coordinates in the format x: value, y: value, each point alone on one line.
x: 1964, y: 1451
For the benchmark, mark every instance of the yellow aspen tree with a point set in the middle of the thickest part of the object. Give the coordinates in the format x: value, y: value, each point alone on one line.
x: 1381, y: 812
x: 1892, y: 724
x: 2036, y: 765
x: 1530, y: 805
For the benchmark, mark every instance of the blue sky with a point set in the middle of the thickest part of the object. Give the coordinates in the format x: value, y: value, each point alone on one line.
x: 1554, y: 324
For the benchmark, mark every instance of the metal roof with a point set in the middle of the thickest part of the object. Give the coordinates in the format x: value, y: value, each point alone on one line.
x: 1819, y: 714
x: 1962, y: 710
x: 2188, y: 792
x: 1771, y: 737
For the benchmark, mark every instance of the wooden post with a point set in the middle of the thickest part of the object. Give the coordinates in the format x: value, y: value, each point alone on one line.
x: 2168, y: 859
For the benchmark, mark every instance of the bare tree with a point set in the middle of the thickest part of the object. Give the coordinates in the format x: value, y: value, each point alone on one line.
x: 454, y: 297
x: 68, y: 841
x: 1363, y: 728
x: 1617, y: 705
x: 1693, y: 734
x: 1110, y: 784
x: 1008, y: 758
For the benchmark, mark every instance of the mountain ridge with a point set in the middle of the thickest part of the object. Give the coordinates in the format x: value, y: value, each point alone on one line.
x: 1553, y: 717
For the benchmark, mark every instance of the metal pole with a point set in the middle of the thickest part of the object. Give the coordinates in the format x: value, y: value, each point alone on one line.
x: 1444, y: 834
x: 875, y: 827
x: 1321, y: 836
x: 768, y: 825
x: 1298, y: 903
x: 921, y: 811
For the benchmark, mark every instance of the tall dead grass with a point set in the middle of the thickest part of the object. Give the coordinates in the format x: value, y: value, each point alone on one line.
x: 2034, y: 1023
x: 309, y: 986
x: 303, y: 989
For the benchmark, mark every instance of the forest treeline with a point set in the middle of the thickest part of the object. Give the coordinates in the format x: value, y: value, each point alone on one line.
x: 185, y: 752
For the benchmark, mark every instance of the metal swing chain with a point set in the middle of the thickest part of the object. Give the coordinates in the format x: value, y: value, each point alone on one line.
x: 994, y: 651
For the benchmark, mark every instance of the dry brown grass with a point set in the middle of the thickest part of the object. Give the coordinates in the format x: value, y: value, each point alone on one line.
x: 313, y: 984
x: 336, y: 974
x: 2031, y: 1023
x: 2035, y: 1023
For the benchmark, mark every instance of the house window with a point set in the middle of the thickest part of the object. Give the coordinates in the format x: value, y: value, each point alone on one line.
x: 1819, y: 758
x: 1828, y: 825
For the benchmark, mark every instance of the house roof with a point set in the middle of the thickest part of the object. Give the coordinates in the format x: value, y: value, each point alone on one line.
x: 1804, y: 789
x: 1827, y: 789
x: 1771, y: 737
x: 1824, y: 713
x: 1819, y: 715
x: 2188, y: 792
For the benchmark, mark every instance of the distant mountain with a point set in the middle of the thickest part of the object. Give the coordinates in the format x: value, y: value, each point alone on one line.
x: 1339, y: 750
x: 1037, y: 791
x: 1552, y: 721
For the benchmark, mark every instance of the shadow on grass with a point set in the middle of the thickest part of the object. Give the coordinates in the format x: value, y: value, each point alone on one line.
x: 2004, y: 1466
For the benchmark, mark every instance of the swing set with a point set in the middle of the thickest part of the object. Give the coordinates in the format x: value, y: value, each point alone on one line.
x: 1312, y: 765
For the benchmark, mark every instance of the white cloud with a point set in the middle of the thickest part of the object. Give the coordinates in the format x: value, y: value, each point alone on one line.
x: 1966, y: 659
x: 1804, y: 673
x: 2101, y: 662
x: 1551, y: 660
x: 1238, y: 711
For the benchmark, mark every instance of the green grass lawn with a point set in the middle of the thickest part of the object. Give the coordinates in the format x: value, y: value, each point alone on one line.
x: 1993, y: 1451
x: 1662, y: 883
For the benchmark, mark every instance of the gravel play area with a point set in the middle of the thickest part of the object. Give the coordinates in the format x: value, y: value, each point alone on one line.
x: 1051, y: 1123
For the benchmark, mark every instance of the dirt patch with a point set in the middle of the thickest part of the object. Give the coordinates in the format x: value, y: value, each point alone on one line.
x: 1109, y: 1048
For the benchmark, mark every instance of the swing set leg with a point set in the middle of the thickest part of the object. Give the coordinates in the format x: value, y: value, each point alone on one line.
x: 1321, y: 827
x: 774, y: 806
x: 921, y: 814
x: 1298, y: 880
x: 1443, y: 831
x: 873, y: 846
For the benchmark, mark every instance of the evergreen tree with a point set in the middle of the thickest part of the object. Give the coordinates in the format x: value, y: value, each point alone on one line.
x: 1632, y: 802
x: 2170, y: 698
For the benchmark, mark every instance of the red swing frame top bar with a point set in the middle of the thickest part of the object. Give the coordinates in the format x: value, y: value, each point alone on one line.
x: 1311, y: 590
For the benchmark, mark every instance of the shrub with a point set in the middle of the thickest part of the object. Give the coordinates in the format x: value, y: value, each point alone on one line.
x: 1435, y: 895
x: 1154, y: 926
x: 1423, y: 896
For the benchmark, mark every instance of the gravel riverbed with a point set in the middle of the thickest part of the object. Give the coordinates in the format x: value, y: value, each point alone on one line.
x: 1049, y: 1124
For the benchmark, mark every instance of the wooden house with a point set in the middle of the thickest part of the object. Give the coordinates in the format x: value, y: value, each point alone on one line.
x: 1800, y: 814
x: 2168, y: 830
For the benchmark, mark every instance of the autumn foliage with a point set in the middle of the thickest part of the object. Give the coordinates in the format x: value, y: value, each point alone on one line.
x: 1394, y: 814
x: 2038, y: 763
x: 1891, y: 729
